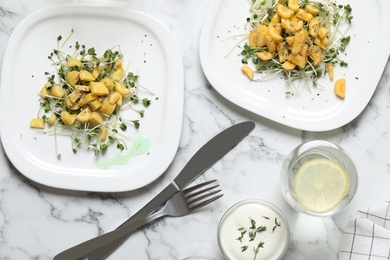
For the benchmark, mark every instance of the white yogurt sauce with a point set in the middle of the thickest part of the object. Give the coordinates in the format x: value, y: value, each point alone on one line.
x: 264, y: 214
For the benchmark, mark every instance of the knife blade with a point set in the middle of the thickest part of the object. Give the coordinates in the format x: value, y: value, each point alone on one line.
x: 203, y: 159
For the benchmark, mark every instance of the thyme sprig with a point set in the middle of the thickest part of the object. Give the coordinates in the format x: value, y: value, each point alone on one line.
x: 251, y: 231
x: 248, y: 235
x: 277, y: 224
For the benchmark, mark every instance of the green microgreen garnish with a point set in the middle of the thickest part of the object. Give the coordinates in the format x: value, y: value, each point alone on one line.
x: 337, y: 18
x: 88, y: 133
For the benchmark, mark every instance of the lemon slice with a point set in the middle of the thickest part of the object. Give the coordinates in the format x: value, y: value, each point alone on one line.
x: 320, y: 185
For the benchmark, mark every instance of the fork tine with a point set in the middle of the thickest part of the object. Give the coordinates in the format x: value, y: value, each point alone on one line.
x: 195, y: 201
x: 191, y: 194
x: 206, y: 194
x: 195, y: 187
x: 193, y: 206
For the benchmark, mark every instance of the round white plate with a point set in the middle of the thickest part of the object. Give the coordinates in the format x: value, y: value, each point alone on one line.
x: 320, y: 110
x: 151, y: 52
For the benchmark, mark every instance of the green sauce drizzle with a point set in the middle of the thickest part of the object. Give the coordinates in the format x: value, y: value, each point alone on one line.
x: 140, y: 145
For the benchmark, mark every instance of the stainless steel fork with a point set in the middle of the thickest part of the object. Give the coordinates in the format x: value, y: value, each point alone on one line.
x: 180, y: 204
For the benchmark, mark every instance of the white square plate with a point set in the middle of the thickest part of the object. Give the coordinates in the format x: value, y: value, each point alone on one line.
x: 320, y: 110
x: 151, y: 52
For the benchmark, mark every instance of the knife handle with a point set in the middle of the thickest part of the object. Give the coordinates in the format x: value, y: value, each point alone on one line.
x: 106, y: 250
x: 155, y: 203
x: 81, y: 250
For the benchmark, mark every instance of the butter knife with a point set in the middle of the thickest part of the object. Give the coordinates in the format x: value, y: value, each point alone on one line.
x: 203, y: 159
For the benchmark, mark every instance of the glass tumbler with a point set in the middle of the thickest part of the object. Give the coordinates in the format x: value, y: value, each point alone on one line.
x: 316, y: 149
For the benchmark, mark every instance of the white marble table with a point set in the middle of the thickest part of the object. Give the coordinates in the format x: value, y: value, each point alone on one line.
x: 37, y: 222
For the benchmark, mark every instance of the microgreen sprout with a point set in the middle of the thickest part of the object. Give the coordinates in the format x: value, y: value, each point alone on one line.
x: 334, y: 17
x: 113, y: 126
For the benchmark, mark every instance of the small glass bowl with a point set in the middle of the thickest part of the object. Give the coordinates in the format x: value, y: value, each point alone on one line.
x: 236, y: 225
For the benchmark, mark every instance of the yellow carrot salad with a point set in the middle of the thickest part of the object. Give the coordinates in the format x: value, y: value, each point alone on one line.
x: 302, y: 40
x: 86, y: 96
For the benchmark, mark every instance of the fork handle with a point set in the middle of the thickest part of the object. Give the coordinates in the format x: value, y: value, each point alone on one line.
x: 83, y: 249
